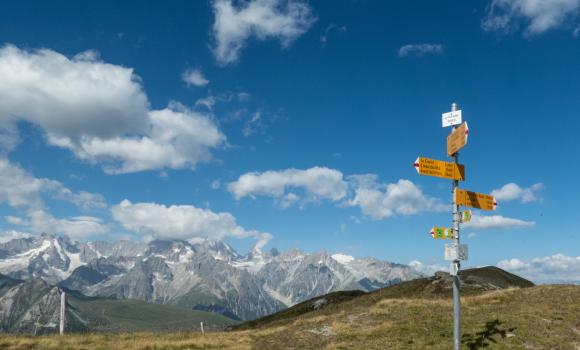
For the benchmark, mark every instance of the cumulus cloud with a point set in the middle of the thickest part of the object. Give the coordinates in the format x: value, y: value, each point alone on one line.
x: 317, y: 183
x: 100, y: 112
x: 558, y: 268
x: 21, y: 189
x: 539, y: 16
x: 284, y: 20
x: 481, y: 222
x: 194, y: 77
x: 24, y: 191
x: 427, y: 269
x: 70, y: 98
x: 177, y: 138
x: 376, y: 200
x: 513, y: 191
x: 184, y: 222
x: 420, y: 50
x: 380, y: 200
x: 39, y: 221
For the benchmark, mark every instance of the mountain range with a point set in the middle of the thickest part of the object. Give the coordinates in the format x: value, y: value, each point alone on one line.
x: 206, y: 276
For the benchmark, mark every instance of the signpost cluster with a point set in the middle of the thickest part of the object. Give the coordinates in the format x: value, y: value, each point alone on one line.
x: 455, y: 252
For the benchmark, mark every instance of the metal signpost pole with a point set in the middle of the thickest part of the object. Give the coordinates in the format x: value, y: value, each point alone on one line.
x: 455, y: 252
x: 455, y: 265
x: 62, y: 312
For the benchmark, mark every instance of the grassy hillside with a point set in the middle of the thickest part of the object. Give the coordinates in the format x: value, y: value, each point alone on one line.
x: 541, y: 317
x: 473, y: 282
x: 110, y: 315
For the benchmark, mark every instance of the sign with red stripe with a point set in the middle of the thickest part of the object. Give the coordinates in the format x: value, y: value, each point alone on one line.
x: 439, y: 168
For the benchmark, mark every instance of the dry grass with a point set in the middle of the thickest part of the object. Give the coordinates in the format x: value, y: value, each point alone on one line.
x: 544, y: 317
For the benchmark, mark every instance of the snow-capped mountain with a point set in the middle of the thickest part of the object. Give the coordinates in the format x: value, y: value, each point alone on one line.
x: 51, y: 258
x: 209, y: 275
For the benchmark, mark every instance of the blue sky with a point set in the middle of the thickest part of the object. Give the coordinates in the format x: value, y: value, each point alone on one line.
x: 293, y: 123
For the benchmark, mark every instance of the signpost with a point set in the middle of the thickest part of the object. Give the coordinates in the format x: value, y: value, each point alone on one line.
x: 451, y: 118
x: 455, y: 252
x: 439, y: 168
x: 442, y: 233
x: 474, y: 200
x: 457, y: 139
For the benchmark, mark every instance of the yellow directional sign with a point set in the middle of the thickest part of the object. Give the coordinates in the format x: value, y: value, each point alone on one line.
x: 439, y: 168
x: 457, y: 139
x: 475, y: 200
x: 442, y: 233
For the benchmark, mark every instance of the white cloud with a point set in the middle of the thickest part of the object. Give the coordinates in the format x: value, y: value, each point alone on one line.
x: 427, y: 269
x: 284, y: 20
x: 181, y: 222
x: 194, y: 77
x: 208, y: 102
x: 39, y: 221
x: 558, y: 268
x: 379, y: 200
x: 539, y: 16
x: 6, y: 236
x: 481, y: 222
x: 511, y: 264
x: 15, y: 220
x: 376, y: 200
x: 21, y: 189
x: 100, y: 112
x: 513, y: 191
x: 83, y: 199
x: 331, y: 27
x: 317, y: 183
x: 253, y: 124
x: 420, y: 50
x: 70, y: 98
x: 177, y: 138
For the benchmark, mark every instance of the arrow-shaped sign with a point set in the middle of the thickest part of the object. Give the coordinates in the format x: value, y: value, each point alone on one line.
x: 475, y: 200
x: 439, y: 168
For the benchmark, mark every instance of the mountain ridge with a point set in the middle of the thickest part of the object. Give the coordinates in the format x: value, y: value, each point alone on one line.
x: 208, y: 275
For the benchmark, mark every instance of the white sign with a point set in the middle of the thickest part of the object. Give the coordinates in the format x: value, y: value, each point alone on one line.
x: 451, y: 118
x: 455, y: 252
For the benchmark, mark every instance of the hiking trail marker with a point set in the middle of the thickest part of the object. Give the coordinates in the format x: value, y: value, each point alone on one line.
x: 442, y: 233
x: 439, y: 168
x: 465, y: 216
x: 455, y: 252
x: 451, y: 118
